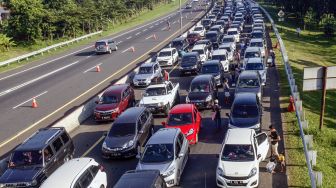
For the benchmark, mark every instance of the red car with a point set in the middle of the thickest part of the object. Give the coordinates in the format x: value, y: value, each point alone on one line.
x: 113, y: 102
x: 193, y: 37
x: 187, y: 118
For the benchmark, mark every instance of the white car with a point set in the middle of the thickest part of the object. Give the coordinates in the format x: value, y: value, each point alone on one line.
x: 161, y: 97
x: 230, y: 47
x: 147, y: 73
x: 251, y: 52
x: 202, y: 51
x: 200, y: 29
x: 234, y: 32
x: 167, y: 57
x: 256, y: 64
x: 168, y: 151
x: 78, y: 172
x: 241, y: 153
x: 223, y: 56
x: 258, y: 42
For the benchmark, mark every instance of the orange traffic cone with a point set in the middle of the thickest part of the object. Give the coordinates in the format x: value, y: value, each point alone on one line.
x: 291, y: 107
x: 34, y: 104
x: 132, y: 49
x: 97, y: 68
x: 155, y: 37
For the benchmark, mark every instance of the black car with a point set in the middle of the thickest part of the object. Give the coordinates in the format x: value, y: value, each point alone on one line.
x: 207, y: 23
x: 214, y: 38
x: 215, y: 68
x: 181, y: 44
x: 190, y: 63
x: 249, y: 81
x: 37, y: 158
x: 206, y: 42
x: 141, y: 178
x: 203, y: 91
x: 246, y: 112
x: 128, y: 133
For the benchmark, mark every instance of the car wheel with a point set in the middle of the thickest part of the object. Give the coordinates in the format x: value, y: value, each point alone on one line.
x: 67, y: 158
x: 116, y: 48
x: 110, y: 51
x: 166, y: 112
x: 133, y: 103
x: 102, y: 186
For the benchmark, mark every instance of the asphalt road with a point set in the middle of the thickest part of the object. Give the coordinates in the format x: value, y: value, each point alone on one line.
x: 63, y: 82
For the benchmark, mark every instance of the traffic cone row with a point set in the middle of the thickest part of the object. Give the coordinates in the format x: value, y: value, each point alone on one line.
x: 34, y: 103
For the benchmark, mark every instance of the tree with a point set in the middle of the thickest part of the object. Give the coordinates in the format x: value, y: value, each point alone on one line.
x: 310, y: 19
x: 328, y: 23
x: 6, y: 42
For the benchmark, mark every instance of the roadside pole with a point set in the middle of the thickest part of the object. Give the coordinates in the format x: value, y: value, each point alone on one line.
x: 324, y: 93
x: 181, y: 25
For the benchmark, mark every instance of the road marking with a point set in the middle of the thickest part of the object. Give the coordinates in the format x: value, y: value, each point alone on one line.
x: 35, y: 79
x: 144, y: 30
x: 129, y: 37
x: 174, y: 22
x: 119, y: 42
x: 92, y: 68
x: 157, y: 24
x: 173, y: 68
x: 150, y: 36
x: 151, y: 26
x: 93, y: 146
x: 127, y: 49
x: 88, y: 56
x: 17, y: 135
x: 30, y: 99
x: 138, y: 33
x: 165, y: 28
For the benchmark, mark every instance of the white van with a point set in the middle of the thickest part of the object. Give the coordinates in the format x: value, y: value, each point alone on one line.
x: 222, y: 56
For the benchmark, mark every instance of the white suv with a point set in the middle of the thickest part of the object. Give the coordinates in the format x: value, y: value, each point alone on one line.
x: 167, y: 57
x: 241, y: 153
x: 79, y: 172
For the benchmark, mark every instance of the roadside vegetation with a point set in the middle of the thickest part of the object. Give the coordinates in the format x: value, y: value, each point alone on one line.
x: 35, y: 24
x: 314, y: 47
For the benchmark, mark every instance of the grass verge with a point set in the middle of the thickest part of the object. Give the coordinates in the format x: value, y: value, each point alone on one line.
x: 309, y: 50
x: 143, y: 17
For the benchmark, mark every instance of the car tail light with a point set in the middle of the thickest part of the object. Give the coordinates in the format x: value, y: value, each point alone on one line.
x: 101, y: 168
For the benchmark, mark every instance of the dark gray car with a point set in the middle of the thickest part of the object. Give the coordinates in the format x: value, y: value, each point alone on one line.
x: 214, y: 68
x: 249, y: 81
x: 190, y: 63
x: 141, y: 178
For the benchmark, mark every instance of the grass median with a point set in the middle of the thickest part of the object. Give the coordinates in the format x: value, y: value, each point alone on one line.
x: 310, y: 49
x: 141, y: 18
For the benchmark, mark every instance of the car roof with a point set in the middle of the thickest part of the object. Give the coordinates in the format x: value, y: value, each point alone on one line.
x: 130, y: 115
x: 193, y: 33
x: 252, y: 49
x: 149, y: 64
x: 256, y: 31
x: 180, y: 108
x: 256, y: 40
x: 65, y: 175
x: 245, y: 98
x: 211, y: 32
x: 239, y: 136
x: 232, y: 29
x: 179, y: 39
x: 199, y: 46
x: 228, y: 36
x: 40, y: 138
x: 211, y: 62
x: 163, y: 136
x: 249, y: 74
x: 115, y: 89
x: 156, y: 85
x: 254, y: 60
x: 137, y: 178
x: 202, y: 78
x: 219, y: 52
x: 216, y: 26
x: 191, y: 54
x: 167, y: 49
x: 226, y: 44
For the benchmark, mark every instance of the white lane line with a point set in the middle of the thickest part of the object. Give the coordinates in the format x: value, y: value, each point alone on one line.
x: 165, y: 28
x: 128, y: 49
x: 157, y: 24
x: 138, y: 33
x: 91, y: 68
x: 129, y: 37
x: 150, y: 36
x: 174, y: 22
x: 151, y: 26
x: 88, y: 56
x: 30, y: 99
x: 119, y: 42
x: 93, y: 146
x: 36, y: 79
x: 144, y: 30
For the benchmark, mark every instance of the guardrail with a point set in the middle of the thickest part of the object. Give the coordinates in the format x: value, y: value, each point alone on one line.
x: 294, y: 93
x: 47, y: 49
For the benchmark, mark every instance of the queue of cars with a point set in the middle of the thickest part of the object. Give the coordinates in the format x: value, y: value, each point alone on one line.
x: 208, y: 52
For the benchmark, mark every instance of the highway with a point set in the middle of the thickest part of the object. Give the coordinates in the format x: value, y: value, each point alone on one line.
x: 62, y: 82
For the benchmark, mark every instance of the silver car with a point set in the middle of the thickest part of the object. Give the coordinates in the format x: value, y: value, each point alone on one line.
x: 105, y: 46
x: 167, y: 150
x: 147, y: 73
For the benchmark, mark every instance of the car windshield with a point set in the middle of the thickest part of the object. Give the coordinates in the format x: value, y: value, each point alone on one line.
x: 256, y: 44
x: 206, y: 69
x: 233, y: 152
x: 228, y: 39
x: 212, y: 16
x: 206, y: 22
x: 254, y: 66
x: 177, y: 43
x: 192, y: 35
x: 257, y: 35
x: 211, y: 35
x: 26, y: 158
x: 198, y: 29
x: 232, y: 33
x: 251, y: 54
x: 227, y: 48
x: 244, y: 111
x: 164, y: 54
x: 249, y: 82
x: 188, y: 59
x: 100, y: 43
x: 200, y: 51
x: 218, y: 57
x: 122, y: 129
x: 158, y: 153
x: 200, y: 87
x: 214, y: 29
x: 179, y: 119
x: 155, y: 91
x: 108, y: 99
x: 145, y: 70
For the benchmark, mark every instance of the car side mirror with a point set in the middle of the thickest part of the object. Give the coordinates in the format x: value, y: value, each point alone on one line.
x: 97, y: 102
x: 227, y: 114
x: 163, y: 123
x: 141, y: 131
x: 259, y: 155
x: 180, y: 155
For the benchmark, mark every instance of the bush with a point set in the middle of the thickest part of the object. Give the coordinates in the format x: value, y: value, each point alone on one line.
x: 328, y: 24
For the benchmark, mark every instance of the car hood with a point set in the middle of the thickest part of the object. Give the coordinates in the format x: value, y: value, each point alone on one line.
x: 117, y: 142
x: 153, y: 99
x: 106, y: 107
x: 16, y: 175
x: 198, y: 96
x: 143, y: 76
x: 237, y: 169
x: 188, y: 64
x: 166, y: 58
x: 247, y: 89
x: 163, y: 167
x: 244, y: 122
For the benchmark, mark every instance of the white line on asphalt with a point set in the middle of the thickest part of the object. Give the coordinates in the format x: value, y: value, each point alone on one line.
x: 92, y: 68
x: 30, y: 99
x: 35, y: 79
x: 138, y: 33
x: 174, y: 68
x: 144, y: 30
x: 87, y: 57
x: 150, y: 36
x: 128, y: 49
x: 163, y: 28
x: 93, y: 146
x: 174, y: 22
x: 119, y: 42
x: 151, y: 26
x: 129, y: 37
x: 157, y: 24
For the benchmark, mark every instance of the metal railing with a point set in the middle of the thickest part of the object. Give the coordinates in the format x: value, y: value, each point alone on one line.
x: 294, y: 93
x: 47, y: 49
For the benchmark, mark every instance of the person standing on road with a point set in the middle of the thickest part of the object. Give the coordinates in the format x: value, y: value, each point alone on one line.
x: 226, y: 91
x: 275, y: 138
x: 217, y: 114
x: 168, y: 24
x: 272, y: 54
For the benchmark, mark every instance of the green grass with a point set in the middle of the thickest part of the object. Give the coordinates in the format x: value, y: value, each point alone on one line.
x: 309, y: 50
x: 139, y: 19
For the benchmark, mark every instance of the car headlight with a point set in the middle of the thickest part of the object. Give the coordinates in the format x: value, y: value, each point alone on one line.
x: 128, y: 144
x: 217, y: 77
x: 105, y: 146
x: 187, y: 100
x: 190, y: 132
x: 33, y: 183
x: 169, y: 172
x: 2, y: 185
x: 161, y: 104
x: 220, y: 171
x: 208, y: 98
x: 253, y: 172
x: 259, y: 95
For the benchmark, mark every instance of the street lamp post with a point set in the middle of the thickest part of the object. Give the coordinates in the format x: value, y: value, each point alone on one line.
x: 180, y: 18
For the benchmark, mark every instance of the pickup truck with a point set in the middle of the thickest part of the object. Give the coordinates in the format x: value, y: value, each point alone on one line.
x: 159, y: 98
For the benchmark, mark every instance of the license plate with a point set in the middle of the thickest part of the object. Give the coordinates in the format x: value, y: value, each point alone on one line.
x: 236, y: 182
x: 115, y: 154
x: 152, y: 109
x: 105, y: 117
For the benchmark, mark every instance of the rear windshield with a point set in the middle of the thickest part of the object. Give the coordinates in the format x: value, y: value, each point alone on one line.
x: 122, y: 129
x: 179, y: 119
x: 206, y: 22
x: 257, y: 35
x: 244, y: 111
x: 164, y: 54
x: 199, y: 51
x: 232, y: 32
x: 228, y: 39
x: 251, y: 54
x: 198, y: 29
x: 211, y: 35
x: 155, y: 91
x: 100, y: 43
x: 254, y: 66
x: 177, y: 43
x: 206, y: 69
x: 219, y: 57
x: 189, y: 59
x: 256, y: 44
x: 249, y: 82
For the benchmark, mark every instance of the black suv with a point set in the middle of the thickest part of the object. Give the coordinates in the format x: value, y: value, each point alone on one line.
x: 190, y: 63
x: 129, y: 133
x: 203, y: 91
x: 37, y: 158
x: 141, y: 178
x: 214, y: 38
x: 215, y: 68
x: 181, y: 44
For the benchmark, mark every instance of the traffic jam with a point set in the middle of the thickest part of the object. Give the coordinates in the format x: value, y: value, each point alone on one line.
x: 225, y: 56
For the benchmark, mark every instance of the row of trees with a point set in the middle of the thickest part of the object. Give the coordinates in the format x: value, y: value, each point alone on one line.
x: 313, y: 13
x: 34, y: 20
